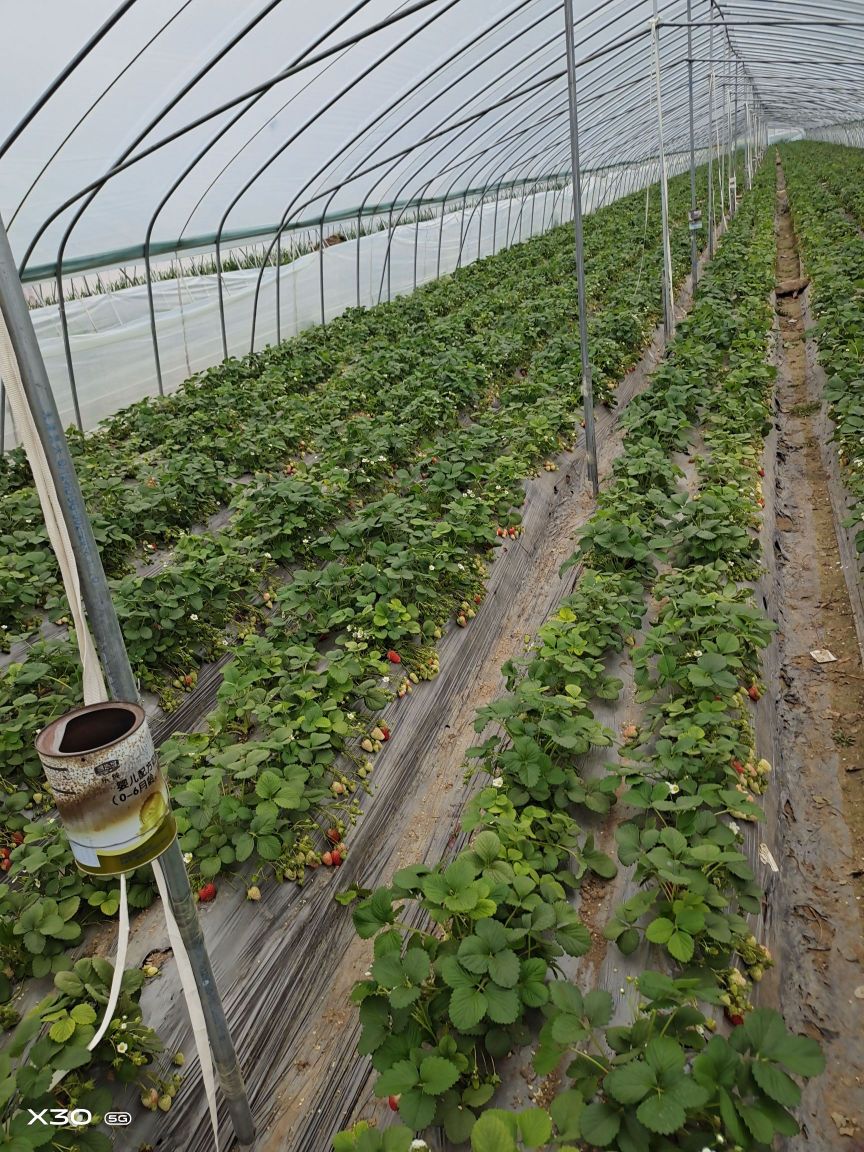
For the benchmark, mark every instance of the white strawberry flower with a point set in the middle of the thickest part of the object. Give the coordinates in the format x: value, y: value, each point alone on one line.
x: 673, y: 789
x: 122, y: 1048
x: 498, y: 782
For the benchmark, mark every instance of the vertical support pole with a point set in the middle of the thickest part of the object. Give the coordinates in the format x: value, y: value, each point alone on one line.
x: 730, y: 151
x: 220, y: 287
x: 67, y: 345
x: 710, y: 130
x: 115, y: 661
x: 357, y: 254
x: 279, y: 286
x: 668, y: 295
x: 587, y: 391
x: 694, y: 249
x: 749, y: 145
x: 2, y: 418
x: 734, y: 207
x: 320, y: 272
x: 417, y: 233
x: 441, y: 237
x: 391, y: 232
x: 151, y: 309
x: 462, y: 228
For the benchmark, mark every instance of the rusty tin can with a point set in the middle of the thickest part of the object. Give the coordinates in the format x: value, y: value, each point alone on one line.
x: 103, y: 771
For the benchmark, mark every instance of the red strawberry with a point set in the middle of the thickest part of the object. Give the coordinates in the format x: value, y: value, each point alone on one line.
x: 738, y: 766
x: 334, y: 835
x: 336, y: 858
x: 4, y: 852
x: 207, y: 893
x: 761, y: 471
x: 385, y: 731
x: 5, y: 863
x: 736, y: 1018
x: 393, y: 1101
x: 18, y: 837
x: 394, y: 657
x: 753, y: 692
x: 478, y: 599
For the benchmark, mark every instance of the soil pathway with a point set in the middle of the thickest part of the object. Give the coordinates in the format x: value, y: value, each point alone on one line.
x: 816, y: 902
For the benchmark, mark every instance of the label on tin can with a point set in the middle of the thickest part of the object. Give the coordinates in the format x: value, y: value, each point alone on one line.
x: 103, y: 771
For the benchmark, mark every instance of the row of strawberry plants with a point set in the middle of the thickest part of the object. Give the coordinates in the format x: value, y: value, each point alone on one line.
x: 442, y: 1005
x: 824, y: 188
x: 280, y: 521
x: 47, y: 1068
x: 408, y: 560
x: 379, y: 393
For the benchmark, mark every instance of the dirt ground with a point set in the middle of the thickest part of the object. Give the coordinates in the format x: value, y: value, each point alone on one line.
x: 816, y: 901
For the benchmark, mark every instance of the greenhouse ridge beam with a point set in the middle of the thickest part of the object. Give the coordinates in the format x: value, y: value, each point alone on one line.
x: 38, y: 273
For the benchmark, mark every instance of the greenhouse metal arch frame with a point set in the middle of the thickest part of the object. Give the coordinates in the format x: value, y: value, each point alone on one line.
x: 527, y: 139
x: 615, y: 40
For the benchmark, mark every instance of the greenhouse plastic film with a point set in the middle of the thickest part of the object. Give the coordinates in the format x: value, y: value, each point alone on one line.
x: 111, y: 341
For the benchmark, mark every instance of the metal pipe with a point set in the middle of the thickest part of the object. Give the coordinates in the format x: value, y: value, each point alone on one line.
x: 321, y: 271
x: 710, y: 131
x: 278, y: 289
x: 735, y: 146
x: 668, y: 298
x: 587, y: 391
x: 119, y: 676
x: 694, y: 248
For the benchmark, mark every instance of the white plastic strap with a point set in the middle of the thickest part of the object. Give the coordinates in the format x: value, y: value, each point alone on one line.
x: 193, y: 1001
x: 119, y: 965
x: 93, y: 683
